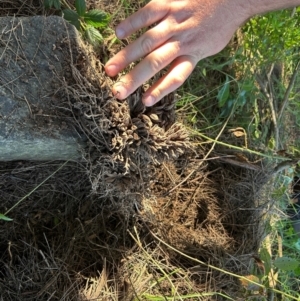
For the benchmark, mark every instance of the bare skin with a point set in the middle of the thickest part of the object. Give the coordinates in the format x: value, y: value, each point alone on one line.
x: 186, y: 31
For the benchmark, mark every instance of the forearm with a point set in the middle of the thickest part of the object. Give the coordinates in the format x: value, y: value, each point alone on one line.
x: 264, y: 6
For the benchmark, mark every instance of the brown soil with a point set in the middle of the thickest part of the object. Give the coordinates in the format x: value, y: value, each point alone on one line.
x: 117, y: 225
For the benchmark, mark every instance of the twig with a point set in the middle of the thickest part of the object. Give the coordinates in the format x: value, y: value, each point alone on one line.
x: 284, y: 165
x: 211, y: 266
x: 30, y: 111
x: 288, y: 90
x: 270, y: 98
x: 242, y: 150
x: 214, y: 142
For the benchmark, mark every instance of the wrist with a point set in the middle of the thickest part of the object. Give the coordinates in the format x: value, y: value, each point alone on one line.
x: 240, y: 10
x: 257, y: 7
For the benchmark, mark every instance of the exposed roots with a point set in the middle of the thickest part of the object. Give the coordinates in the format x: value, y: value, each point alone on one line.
x: 112, y: 227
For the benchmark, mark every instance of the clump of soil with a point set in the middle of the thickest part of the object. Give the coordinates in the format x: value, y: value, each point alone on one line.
x: 143, y: 213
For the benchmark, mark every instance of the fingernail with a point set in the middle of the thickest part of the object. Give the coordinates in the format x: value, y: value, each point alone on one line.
x: 120, y: 91
x: 149, y: 101
x: 111, y: 70
x: 120, y: 33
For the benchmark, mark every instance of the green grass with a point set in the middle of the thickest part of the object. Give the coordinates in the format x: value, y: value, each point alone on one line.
x: 227, y: 89
x: 227, y: 84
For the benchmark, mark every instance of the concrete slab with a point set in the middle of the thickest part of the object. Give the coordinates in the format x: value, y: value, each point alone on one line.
x: 34, y: 62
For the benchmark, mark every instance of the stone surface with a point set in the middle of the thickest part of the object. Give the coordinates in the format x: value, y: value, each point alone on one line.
x: 34, y: 64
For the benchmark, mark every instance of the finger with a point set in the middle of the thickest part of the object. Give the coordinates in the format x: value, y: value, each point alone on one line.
x: 145, y: 44
x: 151, y: 64
x: 152, y: 12
x: 179, y: 71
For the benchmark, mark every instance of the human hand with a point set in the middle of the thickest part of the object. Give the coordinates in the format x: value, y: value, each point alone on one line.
x: 186, y: 32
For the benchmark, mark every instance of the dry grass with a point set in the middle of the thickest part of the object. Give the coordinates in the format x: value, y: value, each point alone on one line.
x: 114, y: 227
x: 21, y: 8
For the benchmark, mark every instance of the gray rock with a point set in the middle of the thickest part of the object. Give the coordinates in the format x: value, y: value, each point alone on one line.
x: 34, y: 64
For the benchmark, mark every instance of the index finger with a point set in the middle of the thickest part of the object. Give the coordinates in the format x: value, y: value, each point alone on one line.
x: 152, y: 12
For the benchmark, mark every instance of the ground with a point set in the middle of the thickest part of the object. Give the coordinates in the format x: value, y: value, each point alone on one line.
x: 148, y: 214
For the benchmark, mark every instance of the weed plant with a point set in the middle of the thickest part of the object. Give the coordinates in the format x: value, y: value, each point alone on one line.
x: 227, y: 85
x: 89, y: 23
x: 229, y: 88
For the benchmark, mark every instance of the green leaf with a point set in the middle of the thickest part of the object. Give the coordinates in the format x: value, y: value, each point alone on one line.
x: 5, y: 218
x: 297, y: 271
x: 93, y: 35
x: 223, y: 93
x: 80, y: 7
x: 96, y: 18
x: 241, y: 99
x: 47, y: 4
x: 286, y: 263
x: 72, y: 17
x: 52, y: 3
x: 286, y: 180
x: 227, y: 108
x: 265, y: 256
x: 56, y: 4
